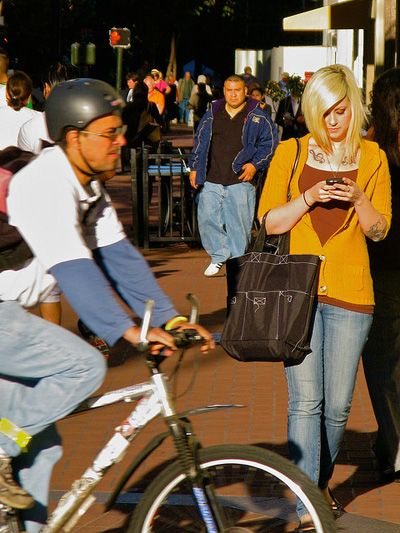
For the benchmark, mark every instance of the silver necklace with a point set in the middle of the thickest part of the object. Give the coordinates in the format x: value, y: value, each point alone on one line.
x: 334, y: 174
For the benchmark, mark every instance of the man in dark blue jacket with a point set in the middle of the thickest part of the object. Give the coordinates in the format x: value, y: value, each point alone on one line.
x: 233, y: 147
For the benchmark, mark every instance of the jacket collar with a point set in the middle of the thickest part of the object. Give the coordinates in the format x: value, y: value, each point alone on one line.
x: 252, y: 104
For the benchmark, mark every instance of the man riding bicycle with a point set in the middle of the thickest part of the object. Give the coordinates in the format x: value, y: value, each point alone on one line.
x: 62, y: 210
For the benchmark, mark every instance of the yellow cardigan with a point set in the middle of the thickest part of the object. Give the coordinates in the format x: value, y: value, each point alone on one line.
x: 345, y: 273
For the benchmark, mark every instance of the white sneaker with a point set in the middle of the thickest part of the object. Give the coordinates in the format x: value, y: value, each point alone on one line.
x: 213, y: 269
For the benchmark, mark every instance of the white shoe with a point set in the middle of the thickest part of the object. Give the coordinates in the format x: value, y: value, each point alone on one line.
x: 213, y: 269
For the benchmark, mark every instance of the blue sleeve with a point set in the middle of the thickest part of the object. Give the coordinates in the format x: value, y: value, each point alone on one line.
x: 267, y: 143
x: 133, y: 280
x: 90, y: 295
x: 201, y: 142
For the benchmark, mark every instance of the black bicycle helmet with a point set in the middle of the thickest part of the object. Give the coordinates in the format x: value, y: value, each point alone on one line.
x: 75, y: 103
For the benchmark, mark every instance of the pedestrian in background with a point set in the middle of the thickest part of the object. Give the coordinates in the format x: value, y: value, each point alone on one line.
x: 185, y: 87
x: 131, y: 79
x: 159, y: 83
x: 258, y: 94
x: 248, y: 76
x: 290, y: 115
x: 199, y: 103
x: 233, y: 146
x: 16, y: 112
x: 381, y: 355
x: 331, y: 221
x: 154, y: 95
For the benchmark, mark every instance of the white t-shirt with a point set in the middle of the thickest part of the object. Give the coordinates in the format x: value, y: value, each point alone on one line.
x: 32, y: 133
x: 29, y: 286
x: 50, y: 208
x: 11, y: 122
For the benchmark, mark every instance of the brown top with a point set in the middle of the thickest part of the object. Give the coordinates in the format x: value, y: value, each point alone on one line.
x: 327, y: 219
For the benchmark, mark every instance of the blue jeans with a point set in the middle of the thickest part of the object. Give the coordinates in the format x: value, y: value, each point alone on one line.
x: 45, y: 372
x: 225, y: 217
x: 321, y: 390
x: 183, y: 111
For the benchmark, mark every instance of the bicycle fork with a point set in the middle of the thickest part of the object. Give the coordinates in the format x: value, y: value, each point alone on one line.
x: 187, y: 447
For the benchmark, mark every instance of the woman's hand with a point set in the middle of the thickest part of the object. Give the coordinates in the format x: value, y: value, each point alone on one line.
x: 348, y: 192
x: 319, y: 193
x: 372, y: 223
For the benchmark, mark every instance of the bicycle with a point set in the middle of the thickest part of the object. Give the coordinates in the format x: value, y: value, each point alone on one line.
x: 226, y: 488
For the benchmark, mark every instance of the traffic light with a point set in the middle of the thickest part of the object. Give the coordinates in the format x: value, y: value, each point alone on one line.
x: 83, y: 54
x: 120, y: 37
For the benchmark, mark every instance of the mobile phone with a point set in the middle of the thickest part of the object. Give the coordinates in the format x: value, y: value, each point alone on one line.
x: 332, y: 181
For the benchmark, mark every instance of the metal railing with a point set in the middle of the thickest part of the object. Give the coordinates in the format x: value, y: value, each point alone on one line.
x: 163, y: 202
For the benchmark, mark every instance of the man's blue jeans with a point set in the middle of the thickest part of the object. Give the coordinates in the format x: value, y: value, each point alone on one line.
x: 225, y: 217
x: 45, y: 372
x: 183, y: 110
x: 321, y: 390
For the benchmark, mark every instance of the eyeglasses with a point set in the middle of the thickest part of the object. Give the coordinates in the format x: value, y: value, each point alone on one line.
x: 112, y: 135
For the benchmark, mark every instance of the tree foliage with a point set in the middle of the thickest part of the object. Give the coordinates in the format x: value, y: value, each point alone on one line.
x: 205, y: 30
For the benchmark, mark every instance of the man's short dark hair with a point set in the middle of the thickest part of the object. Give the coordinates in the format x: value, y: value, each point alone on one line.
x: 236, y: 78
x: 59, y: 72
x: 132, y: 76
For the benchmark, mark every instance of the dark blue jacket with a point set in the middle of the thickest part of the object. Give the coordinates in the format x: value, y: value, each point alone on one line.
x: 259, y: 138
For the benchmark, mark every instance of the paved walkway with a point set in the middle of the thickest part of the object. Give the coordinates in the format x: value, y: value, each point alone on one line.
x: 371, y: 506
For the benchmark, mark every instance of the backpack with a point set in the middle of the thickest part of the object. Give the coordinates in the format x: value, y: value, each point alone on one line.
x: 14, y: 251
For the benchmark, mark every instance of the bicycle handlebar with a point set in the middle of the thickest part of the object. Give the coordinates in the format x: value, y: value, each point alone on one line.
x: 182, y: 338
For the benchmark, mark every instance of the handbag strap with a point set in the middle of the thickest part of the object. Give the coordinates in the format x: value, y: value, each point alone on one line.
x: 289, y: 194
x: 259, y: 243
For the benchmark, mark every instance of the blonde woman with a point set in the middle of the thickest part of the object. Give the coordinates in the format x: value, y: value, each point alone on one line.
x: 332, y: 221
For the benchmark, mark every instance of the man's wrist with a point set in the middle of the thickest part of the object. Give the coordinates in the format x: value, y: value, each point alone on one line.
x: 132, y: 335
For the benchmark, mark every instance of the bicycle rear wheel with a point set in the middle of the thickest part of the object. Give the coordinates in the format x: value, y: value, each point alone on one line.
x: 256, y: 489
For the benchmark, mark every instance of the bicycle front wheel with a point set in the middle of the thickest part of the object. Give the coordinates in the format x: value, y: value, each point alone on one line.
x: 255, y: 488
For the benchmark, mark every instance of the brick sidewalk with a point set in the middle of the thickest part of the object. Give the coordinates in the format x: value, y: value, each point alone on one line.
x: 261, y: 387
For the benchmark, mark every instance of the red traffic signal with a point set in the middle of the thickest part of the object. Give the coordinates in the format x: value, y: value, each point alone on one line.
x: 120, y: 37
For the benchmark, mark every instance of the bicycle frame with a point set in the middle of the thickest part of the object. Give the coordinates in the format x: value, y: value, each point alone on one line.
x: 155, y: 400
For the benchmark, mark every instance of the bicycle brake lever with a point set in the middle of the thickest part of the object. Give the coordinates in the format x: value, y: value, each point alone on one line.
x: 194, y: 312
x: 143, y: 343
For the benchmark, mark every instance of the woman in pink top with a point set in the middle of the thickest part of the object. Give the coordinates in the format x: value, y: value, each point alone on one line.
x: 160, y: 84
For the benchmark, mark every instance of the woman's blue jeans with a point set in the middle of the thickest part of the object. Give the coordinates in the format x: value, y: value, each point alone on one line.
x: 225, y: 217
x: 321, y: 390
x: 45, y: 372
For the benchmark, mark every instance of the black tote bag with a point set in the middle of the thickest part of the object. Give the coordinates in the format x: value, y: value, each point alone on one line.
x: 270, y: 303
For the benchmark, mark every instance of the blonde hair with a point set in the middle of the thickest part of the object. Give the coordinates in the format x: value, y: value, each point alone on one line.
x: 326, y: 88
